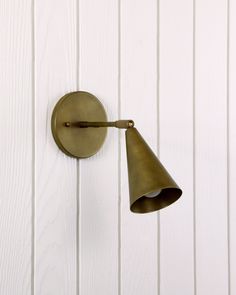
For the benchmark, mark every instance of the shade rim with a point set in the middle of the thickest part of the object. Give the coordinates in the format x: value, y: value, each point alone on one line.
x: 167, y: 196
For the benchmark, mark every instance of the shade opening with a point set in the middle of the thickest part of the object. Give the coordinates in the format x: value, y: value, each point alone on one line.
x: 163, y: 199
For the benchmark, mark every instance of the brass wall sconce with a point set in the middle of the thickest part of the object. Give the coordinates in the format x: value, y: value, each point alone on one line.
x: 79, y: 127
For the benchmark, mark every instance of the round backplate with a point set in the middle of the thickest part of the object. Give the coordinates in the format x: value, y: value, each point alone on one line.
x: 74, y: 141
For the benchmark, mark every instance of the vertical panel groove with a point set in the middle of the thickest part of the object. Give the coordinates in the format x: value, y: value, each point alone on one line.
x: 78, y: 268
x: 119, y: 147
x: 33, y: 149
x: 158, y: 143
x: 194, y: 154
x: 231, y: 149
x: 228, y: 145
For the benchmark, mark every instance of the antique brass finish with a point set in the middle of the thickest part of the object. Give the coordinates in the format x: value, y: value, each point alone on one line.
x: 151, y: 187
x: 74, y: 107
x: 75, y: 126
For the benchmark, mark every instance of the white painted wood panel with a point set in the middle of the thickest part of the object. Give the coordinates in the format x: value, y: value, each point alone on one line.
x: 232, y: 143
x: 211, y: 147
x: 138, y: 93
x: 98, y: 176
x: 55, y: 206
x: 65, y: 225
x: 176, y: 144
x: 16, y: 169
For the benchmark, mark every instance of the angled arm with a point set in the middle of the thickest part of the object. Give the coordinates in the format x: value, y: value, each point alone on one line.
x: 121, y: 124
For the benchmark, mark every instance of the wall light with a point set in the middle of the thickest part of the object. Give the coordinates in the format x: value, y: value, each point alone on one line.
x: 79, y: 127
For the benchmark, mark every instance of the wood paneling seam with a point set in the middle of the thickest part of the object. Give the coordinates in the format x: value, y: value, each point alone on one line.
x: 33, y: 150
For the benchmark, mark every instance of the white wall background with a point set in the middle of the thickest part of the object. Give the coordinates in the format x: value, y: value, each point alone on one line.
x: 65, y: 225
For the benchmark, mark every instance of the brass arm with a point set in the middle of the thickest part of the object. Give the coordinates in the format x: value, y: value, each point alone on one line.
x: 122, y: 124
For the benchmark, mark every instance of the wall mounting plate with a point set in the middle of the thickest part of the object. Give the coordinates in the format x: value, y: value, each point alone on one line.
x: 74, y: 141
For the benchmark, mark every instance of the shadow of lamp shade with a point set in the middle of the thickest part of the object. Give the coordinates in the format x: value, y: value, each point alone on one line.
x: 79, y: 127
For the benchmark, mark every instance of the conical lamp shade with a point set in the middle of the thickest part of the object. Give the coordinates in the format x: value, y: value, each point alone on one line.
x: 151, y: 187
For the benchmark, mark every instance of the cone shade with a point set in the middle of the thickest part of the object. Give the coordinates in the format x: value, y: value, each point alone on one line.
x: 151, y: 187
